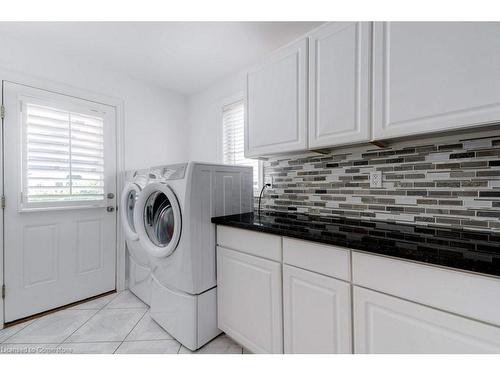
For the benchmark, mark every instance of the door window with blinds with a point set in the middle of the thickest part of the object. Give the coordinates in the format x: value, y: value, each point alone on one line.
x: 233, y: 141
x: 63, y: 155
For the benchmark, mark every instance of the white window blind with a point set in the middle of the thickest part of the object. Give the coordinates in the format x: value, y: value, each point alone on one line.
x: 233, y: 140
x: 63, y: 156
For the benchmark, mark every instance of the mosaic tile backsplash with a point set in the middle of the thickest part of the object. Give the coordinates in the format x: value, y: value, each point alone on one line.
x: 453, y: 183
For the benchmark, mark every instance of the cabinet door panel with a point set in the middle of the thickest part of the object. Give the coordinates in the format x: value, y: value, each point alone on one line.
x: 434, y: 76
x: 317, y: 313
x: 339, y: 94
x: 249, y: 300
x: 385, y: 324
x: 276, y: 103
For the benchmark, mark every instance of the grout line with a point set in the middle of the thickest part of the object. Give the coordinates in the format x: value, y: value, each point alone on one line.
x: 98, y: 310
x: 125, y: 308
x: 54, y: 312
x: 88, y: 309
x: 90, y: 342
x: 118, y: 308
x: 171, y: 339
x: 118, y: 347
x: 80, y: 326
x: 111, y: 300
x: 31, y: 343
x: 57, y: 309
x: 135, y: 325
x: 15, y: 333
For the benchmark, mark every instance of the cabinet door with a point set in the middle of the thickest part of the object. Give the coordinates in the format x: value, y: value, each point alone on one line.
x: 384, y: 324
x: 434, y: 76
x: 276, y: 103
x: 249, y: 300
x: 339, y: 94
x: 317, y: 313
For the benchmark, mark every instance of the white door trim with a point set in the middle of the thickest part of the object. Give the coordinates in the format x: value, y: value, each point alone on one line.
x: 118, y: 104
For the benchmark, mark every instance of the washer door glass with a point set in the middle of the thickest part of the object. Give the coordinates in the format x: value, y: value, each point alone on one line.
x: 159, y: 219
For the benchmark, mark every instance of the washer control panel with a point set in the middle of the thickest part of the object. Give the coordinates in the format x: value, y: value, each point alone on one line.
x: 168, y: 172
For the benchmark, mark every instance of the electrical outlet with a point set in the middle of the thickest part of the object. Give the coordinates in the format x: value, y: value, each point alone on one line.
x: 376, y: 179
x: 269, y: 180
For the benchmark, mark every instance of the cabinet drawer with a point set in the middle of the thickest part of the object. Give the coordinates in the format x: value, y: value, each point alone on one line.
x: 261, y: 244
x: 325, y: 259
x: 462, y: 293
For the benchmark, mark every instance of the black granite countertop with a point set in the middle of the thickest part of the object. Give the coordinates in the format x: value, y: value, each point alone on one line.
x: 457, y: 248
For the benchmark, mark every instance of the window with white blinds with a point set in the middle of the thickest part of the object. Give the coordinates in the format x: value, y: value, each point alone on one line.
x: 63, y: 155
x: 233, y: 138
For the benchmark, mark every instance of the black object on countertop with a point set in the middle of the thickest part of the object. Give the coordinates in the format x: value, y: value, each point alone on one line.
x: 477, y: 251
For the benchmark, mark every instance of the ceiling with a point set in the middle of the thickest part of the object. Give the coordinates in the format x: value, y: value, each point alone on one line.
x: 181, y: 56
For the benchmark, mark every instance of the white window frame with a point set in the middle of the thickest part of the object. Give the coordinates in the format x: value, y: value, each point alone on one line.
x: 90, y: 110
x: 240, y: 96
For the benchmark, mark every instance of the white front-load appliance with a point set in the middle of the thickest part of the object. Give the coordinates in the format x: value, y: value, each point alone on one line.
x: 138, y: 260
x: 173, y: 221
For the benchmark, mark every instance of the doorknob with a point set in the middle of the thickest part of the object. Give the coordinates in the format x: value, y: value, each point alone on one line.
x: 110, y: 195
x: 110, y: 208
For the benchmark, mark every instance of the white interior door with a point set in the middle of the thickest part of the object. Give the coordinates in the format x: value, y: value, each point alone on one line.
x: 60, y: 189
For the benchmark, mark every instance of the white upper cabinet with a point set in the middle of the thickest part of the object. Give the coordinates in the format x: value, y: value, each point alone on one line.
x: 339, y: 84
x: 276, y: 98
x: 353, y: 82
x: 434, y: 76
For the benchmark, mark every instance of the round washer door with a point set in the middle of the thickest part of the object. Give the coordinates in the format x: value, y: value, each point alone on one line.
x: 129, y: 198
x: 157, y: 219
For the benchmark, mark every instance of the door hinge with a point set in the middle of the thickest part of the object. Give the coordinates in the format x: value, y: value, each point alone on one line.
x: 3, y: 291
x: 3, y: 201
x: 2, y: 111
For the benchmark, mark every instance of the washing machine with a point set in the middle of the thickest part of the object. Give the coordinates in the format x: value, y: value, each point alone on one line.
x: 138, y: 260
x: 172, y: 217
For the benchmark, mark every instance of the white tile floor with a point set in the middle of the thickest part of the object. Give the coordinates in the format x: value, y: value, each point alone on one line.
x: 117, y: 323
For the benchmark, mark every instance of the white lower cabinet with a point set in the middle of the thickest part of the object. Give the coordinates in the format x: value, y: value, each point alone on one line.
x: 276, y: 294
x: 249, y: 300
x: 316, y: 313
x: 385, y: 324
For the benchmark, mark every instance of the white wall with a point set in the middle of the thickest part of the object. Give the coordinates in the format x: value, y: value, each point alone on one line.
x: 205, y: 120
x: 155, y: 119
